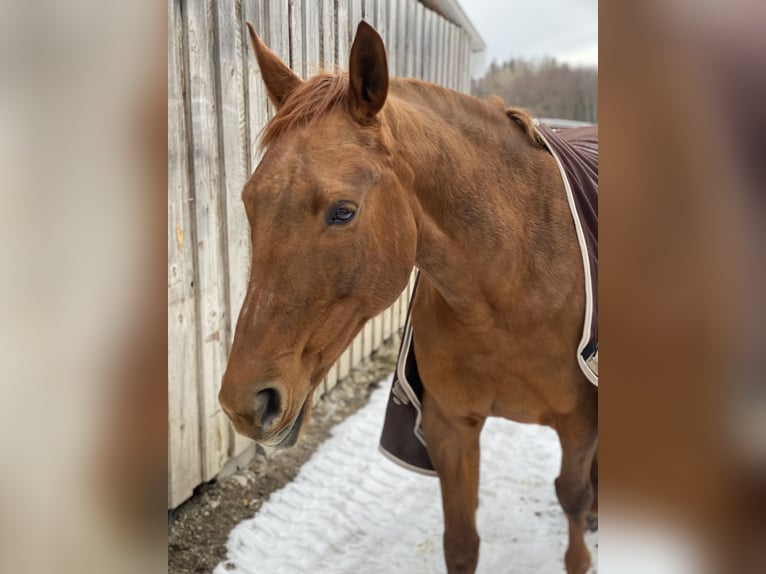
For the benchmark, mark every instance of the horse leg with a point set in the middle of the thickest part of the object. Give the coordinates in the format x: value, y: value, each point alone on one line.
x: 453, y: 445
x: 594, y: 482
x: 578, y: 435
x: 592, y: 517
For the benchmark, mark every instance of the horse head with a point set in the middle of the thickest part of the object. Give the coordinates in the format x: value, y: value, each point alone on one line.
x: 333, y: 237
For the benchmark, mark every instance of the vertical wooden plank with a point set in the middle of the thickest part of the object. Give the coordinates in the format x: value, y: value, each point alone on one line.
x: 445, y: 53
x: 419, y: 37
x: 344, y: 364
x: 459, y: 61
x: 467, y: 56
x: 343, y: 41
x: 296, y: 35
x: 355, y: 16
x: 210, y: 222
x: 407, y: 299
x: 456, y: 54
x: 427, y: 45
x: 405, y: 305
x: 392, y: 22
x: 396, y: 311
x: 412, y: 38
x: 375, y: 333
x: 279, y: 28
x: 235, y: 163
x: 369, y: 13
x: 407, y: 296
x: 313, y: 39
x: 443, y: 47
x: 448, y: 57
x: 368, y: 339
x: 467, y: 64
x: 332, y: 377
x: 357, y: 356
x: 381, y: 24
x: 439, y: 50
x: 277, y: 32
x: 328, y: 58
x: 387, y: 314
x: 435, y: 53
x: 184, y: 454
x: 455, y: 58
x: 402, y: 54
x: 257, y: 100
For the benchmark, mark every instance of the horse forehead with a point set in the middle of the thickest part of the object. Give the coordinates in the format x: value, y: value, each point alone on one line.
x: 308, y: 151
x: 311, y: 160
x: 321, y: 150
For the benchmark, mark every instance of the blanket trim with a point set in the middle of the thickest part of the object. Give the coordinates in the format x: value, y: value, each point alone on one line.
x: 588, y: 361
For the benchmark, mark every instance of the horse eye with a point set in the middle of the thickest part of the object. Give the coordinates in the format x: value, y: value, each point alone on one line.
x: 342, y: 214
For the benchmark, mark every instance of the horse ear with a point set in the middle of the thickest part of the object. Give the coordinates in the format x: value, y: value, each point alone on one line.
x: 368, y: 73
x: 279, y: 79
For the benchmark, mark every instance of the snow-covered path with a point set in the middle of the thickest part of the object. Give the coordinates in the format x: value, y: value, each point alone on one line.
x: 350, y: 510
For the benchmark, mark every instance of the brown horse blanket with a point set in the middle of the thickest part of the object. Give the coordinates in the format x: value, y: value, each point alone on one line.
x: 576, y: 153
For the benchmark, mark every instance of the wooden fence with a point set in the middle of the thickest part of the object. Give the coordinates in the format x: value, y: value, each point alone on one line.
x: 216, y: 108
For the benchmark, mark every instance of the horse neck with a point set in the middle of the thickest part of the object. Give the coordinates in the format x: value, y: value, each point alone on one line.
x: 493, y: 223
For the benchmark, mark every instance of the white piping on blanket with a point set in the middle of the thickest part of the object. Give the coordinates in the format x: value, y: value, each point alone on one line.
x: 589, y: 367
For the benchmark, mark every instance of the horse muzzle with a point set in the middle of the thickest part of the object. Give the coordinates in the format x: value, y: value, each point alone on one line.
x: 261, y: 418
x: 289, y: 435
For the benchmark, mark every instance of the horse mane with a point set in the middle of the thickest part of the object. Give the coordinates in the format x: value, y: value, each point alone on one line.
x: 526, y: 123
x: 520, y: 117
x: 326, y: 91
x: 312, y: 98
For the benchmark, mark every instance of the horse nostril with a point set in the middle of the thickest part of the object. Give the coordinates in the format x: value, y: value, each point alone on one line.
x: 267, y: 406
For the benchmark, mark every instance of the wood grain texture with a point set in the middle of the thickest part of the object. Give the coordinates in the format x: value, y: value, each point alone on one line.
x: 329, y: 58
x: 312, y: 41
x: 235, y: 162
x: 297, y: 32
x: 342, y: 36
x: 184, y: 452
x: 278, y: 38
x: 255, y: 91
x: 217, y: 108
x: 411, y: 25
x: 404, y: 58
x: 453, y: 58
x: 212, y: 274
x: 436, y: 58
x: 369, y: 12
x: 466, y: 57
x: 428, y: 50
x: 344, y: 364
x: 419, y: 39
x: 390, y: 38
x: 354, y: 16
x: 381, y: 25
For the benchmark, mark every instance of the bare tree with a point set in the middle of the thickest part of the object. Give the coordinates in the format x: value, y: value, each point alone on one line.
x: 546, y: 88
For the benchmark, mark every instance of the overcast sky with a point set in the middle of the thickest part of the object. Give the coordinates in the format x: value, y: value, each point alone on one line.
x: 564, y: 29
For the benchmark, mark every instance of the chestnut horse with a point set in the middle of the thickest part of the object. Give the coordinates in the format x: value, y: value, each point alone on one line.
x: 363, y: 178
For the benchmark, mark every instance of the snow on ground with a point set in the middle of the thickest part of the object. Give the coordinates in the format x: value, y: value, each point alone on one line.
x: 350, y: 510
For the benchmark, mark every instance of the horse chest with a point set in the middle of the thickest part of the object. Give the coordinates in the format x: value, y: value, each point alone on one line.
x: 490, y: 376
